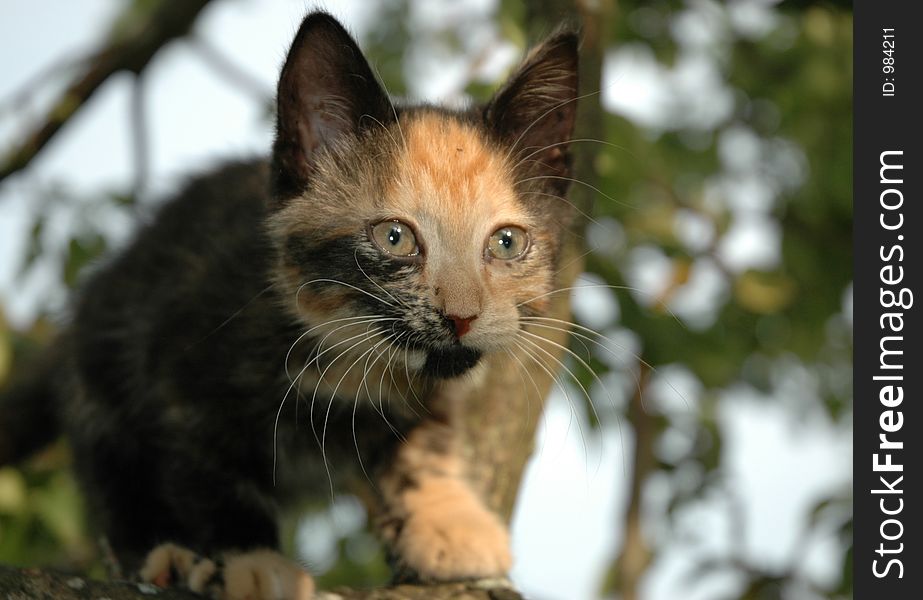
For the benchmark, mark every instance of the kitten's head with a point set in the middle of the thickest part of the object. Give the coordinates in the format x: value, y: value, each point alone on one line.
x: 419, y: 234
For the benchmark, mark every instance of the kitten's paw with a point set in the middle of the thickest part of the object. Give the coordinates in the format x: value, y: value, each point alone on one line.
x: 169, y: 565
x: 265, y: 575
x: 256, y: 575
x: 452, y: 536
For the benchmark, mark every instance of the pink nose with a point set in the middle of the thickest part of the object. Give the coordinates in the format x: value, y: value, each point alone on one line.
x: 462, y: 324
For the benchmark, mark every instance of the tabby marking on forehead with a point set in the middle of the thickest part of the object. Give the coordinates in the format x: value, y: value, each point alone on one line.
x: 450, y: 166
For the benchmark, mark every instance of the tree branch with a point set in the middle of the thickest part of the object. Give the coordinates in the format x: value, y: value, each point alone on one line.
x: 38, y: 583
x: 137, y: 35
x: 636, y: 554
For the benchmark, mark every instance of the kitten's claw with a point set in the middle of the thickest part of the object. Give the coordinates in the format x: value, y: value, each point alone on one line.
x: 169, y: 565
x: 256, y: 575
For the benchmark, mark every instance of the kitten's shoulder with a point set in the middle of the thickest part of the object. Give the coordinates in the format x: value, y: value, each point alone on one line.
x: 206, y: 245
x: 228, y: 195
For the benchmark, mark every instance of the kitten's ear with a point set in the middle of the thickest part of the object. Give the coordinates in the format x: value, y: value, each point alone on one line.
x: 534, y: 112
x: 326, y: 91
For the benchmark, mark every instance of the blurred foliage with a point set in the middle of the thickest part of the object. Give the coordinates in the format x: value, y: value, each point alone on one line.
x: 790, y: 83
x: 41, y: 511
x: 41, y: 515
x: 673, y: 196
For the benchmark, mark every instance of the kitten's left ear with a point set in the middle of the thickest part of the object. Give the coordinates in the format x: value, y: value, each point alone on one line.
x: 327, y: 92
x: 534, y: 112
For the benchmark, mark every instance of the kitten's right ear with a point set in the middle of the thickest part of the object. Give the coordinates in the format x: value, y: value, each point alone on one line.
x: 326, y: 91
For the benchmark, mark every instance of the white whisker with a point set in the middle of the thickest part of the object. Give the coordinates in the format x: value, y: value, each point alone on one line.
x: 538, y: 393
x: 567, y: 142
x: 574, y: 418
x: 365, y: 373
x: 343, y: 283
x: 566, y: 201
x: 532, y: 321
x: 542, y: 116
x: 576, y: 380
x: 397, y: 121
x: 409, y: 378
x: 602, y: 385
x: 573, y: 180
x: 598, y: 286
x: 333, y: 395
x: 380, y: 410
x: 372, y: 281
x: 568, y: 328
x: 359, y: 318
x: 275, y: 428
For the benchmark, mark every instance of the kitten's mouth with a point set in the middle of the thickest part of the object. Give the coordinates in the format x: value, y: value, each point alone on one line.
x: 450, y: 362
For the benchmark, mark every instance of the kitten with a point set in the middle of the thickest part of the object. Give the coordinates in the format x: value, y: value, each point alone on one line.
x: 283, y: 324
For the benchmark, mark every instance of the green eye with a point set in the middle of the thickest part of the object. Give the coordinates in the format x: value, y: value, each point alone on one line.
x: 395, y: 238
x: 508, y: 243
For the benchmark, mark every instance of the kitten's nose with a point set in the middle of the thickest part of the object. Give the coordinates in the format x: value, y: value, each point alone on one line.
x: 461, y: 325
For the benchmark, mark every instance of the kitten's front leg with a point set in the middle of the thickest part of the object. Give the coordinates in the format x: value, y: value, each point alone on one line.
x: 436, y: 527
